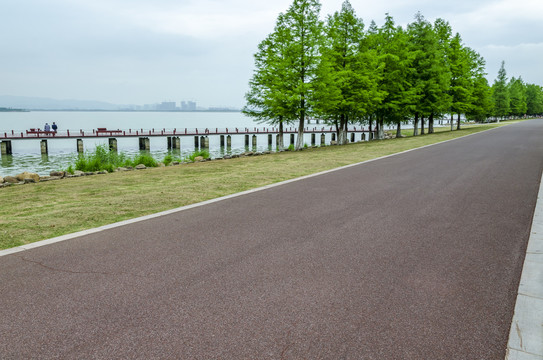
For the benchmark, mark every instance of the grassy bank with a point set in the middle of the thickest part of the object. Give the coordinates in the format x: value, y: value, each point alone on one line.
x: 39, y: 211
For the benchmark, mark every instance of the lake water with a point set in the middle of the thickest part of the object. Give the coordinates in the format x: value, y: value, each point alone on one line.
x: 62, y: 152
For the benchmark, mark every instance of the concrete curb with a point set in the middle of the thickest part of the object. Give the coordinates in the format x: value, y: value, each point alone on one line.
x: 172, y: 211
x: 526, y: 334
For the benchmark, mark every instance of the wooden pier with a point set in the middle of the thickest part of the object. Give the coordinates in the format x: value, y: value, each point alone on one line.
x: 173, y: 136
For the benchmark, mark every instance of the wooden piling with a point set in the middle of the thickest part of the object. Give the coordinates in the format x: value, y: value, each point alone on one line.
x: 176, y: 143
x: 44, y: 148
x: 6, y: 148
x: 79, y: 145
x: 313, y: 139
x: 112, y: 144
x: 254, y: 141
x: 323, y: 140
x: 229, y: 141
x: 291, y: 139
x: 196, y: 142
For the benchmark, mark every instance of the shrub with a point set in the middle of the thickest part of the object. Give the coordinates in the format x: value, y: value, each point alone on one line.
x: 145, y: 159
x: 202, y: 153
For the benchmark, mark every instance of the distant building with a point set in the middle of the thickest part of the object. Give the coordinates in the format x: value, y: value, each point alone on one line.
x: 188, y: 105
x: 166, y: 105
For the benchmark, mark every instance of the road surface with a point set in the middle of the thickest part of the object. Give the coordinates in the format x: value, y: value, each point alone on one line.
x: 414, y: 256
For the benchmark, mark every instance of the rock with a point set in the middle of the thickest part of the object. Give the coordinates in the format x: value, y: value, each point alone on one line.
x: 129, y: 168
x: 249, y: 153
x: 267, y: 152
x: 226, y: 157
x: 103, y: 172
x: 1, y: 180
x: 58, y: 173
x: 257, y: 153
x: 198, y: 158
x: 175, y: 163
x: 29, y: 181
x: 79, y: 173
x: 11, y: 180
x: 28, y: 175
x: 333, y: 142
x: 89, y: 173
x: 141, y: 167
x: 161, y: 165
x: 235, y: 156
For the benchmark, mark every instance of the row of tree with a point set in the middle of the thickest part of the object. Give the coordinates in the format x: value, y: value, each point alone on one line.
x: 339, y: 72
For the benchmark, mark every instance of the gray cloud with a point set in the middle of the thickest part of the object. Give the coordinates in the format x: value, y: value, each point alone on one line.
x: 143, y: 51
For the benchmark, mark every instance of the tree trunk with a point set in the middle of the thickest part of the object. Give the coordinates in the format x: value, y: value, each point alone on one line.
x: 301, y: 125
x: 458, y: 123
x: 345, y: 129
x: 416, y: 124
x: 431, y: 124
x: 452, y: 121
x: 338, y: 130
x: 280, y: 146
x: 399, y: 130
x: 422, y: 125
x: 381, y: 132
x: 370, y: 123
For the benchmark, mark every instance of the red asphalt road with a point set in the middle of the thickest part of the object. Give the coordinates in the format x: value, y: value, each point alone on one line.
x: 415, y: 256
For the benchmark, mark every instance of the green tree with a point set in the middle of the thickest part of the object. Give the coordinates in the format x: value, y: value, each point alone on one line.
x: 534, y: 99
x: 431, y: 78
x: 305, y: 36
x: 351, y: 85
x: 394, y: 60
x: 500, y: 94
x: 268, y: 100
x: 517, y: 97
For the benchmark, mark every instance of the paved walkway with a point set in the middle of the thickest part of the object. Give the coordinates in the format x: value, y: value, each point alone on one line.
x: 526, y: 335
x: 415, y: 256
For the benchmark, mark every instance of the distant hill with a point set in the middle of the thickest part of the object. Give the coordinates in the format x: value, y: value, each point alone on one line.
x: 38, y: 103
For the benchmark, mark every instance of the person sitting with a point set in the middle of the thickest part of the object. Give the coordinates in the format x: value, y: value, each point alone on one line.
x: 47, y: 127
x: 54, y: 127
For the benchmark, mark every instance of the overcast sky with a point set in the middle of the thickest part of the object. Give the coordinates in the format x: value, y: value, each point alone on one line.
x: 148, y: 51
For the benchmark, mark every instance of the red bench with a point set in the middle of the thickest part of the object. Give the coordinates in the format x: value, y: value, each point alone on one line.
x: 106, y: 131
x: 39, y: 132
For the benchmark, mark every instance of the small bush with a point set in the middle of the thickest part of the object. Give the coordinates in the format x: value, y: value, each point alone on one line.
x: 144, y: 159
x: 202, y: 153
x: 291, y: 147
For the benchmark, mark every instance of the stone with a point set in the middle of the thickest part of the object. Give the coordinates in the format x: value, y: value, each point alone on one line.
x: 28, y: 175
x: 235, y: 156
x: 79, y: 173
x: 129, y: 168
x: 249, y: 153
x: 58, y: 173
x: 1, y: 180
x: 161, y: 165
x: 175, y: 163
x: 333, y: 142
x: 103, y: 172
x: 89, y: 173
x: 29, y: 181
x: 226, y: 157
x: 11, y: 180
x: 198, y: 158
x: 141, y: 167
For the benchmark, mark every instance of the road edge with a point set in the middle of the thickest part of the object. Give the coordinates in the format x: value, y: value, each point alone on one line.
x: 526, y: 333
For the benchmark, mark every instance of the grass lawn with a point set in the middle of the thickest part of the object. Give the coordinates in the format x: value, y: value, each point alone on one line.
x: 40, y: 211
